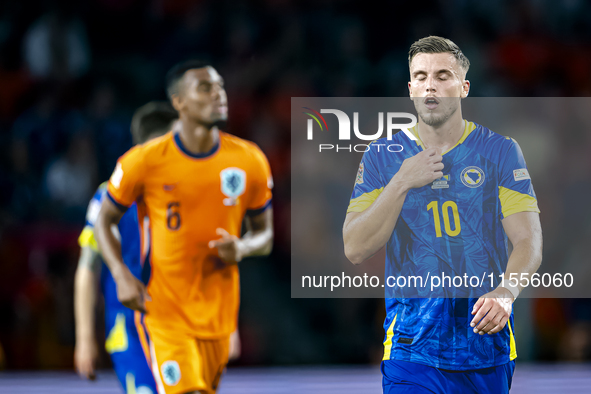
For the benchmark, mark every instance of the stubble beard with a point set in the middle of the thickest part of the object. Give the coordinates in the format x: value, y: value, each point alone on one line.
x: 220, y: 122
x: 437, y: 119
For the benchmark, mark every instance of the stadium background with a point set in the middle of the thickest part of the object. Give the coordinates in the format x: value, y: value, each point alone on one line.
x: 72, y: 73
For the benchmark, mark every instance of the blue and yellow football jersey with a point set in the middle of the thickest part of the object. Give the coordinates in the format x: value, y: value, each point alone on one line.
x: 131, y: 237
x: 452, y: 225
x: 123, y: 342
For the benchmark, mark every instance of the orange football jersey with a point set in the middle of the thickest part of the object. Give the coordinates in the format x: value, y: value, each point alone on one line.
x: 187, y: 197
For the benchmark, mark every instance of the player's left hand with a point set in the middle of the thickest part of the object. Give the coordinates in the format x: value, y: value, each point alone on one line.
x: 230, y: 247
x: 492, y: 311
x: 235, y: 346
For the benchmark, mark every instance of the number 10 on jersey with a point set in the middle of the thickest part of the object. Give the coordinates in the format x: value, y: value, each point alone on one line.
x: 445, y: 208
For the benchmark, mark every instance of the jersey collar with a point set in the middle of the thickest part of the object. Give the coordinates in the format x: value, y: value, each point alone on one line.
x: 179, y: 143
x: 468, y: 128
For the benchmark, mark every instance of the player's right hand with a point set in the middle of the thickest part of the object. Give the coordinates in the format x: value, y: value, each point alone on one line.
x: 421, y: 169
x: 85, y: 355
x: 131, y: 292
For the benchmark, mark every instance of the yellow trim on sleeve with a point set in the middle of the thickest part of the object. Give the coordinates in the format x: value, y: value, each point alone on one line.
x: 86, y: 239
x: 514, y: 202
x: 388, y: 341
x: 117, y: 339
x: 361, y: 203
x: 513, y: 354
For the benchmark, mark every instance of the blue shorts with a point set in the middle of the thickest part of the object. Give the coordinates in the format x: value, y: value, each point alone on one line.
x: 401, y: 377
x: 128, y: 357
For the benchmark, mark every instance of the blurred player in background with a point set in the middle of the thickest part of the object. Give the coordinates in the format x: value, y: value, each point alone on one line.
x: 123, y: 342
x: 448, y: 201
x: 197, y: 183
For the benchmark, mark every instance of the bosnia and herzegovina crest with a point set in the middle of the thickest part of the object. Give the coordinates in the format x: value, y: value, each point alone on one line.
x: 233, y: 183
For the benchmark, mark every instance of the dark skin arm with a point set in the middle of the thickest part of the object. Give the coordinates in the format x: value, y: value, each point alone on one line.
x: 258, y: 240
x: 130, y: 291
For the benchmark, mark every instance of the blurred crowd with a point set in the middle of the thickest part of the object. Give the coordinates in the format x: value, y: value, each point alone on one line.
x: 72, y: 73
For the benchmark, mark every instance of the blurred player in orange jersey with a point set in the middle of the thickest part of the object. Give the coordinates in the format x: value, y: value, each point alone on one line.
x: 197, y: 184
x: 123, y: 342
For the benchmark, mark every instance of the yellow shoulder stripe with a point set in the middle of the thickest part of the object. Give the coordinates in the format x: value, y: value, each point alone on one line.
x: 514, y: 202
x: 86, y: 239
x: 361, y: 203
x: 388, y: 341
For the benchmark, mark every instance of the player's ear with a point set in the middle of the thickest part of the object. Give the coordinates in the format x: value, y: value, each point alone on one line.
x: 176, y: 102
x: 409, y: 91
x: 465, y: 89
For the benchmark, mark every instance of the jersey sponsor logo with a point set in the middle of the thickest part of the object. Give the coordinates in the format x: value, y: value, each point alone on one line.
x: 359, y: 179
x: 521, y: 174
x: 117, y: 176
x: 168, y: 188
x: 233, y: 184
x: 472, y: 176
x: 171, y: 372
x: 441, y: 183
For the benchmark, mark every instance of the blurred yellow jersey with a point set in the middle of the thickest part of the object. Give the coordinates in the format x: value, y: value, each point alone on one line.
x: 188, y: 196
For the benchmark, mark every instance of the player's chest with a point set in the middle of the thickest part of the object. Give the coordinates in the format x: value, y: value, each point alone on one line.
x: 468, y: 179
x: 216, y: 182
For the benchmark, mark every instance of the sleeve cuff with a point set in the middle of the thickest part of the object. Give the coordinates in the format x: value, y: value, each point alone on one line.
x: 258, y: 211
x: 121, y: 207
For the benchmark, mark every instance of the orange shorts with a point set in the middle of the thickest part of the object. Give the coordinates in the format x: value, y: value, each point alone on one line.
x: 181, y: 363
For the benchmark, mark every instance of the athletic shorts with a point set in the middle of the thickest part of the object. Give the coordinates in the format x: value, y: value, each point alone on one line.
x: 127, y: 354
x: 402, y: 377
x: 182, y: 363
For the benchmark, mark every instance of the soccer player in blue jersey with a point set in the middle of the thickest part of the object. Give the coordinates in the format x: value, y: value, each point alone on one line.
x: 446, y: 203
x: 123, y: 343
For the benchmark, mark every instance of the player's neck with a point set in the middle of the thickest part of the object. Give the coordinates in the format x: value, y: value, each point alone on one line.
x: 198, y: 138
x: 442, y: 137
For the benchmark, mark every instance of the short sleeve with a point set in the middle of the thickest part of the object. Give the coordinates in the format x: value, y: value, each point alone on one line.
x: 516, y: 192
x: 126, y: 182
x: 368, y: 184
x: 261, y: 183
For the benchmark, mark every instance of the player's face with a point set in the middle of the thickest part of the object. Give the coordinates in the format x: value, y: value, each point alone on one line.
x: 436, y: 86
x: 202, y: 96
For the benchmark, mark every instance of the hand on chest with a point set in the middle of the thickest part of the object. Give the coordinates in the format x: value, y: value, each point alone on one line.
x: 467, y: 191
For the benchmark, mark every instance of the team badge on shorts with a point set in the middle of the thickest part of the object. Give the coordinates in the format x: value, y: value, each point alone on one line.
x: 171, y: 372
x: 233, y: 184
x: 472, y: 176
